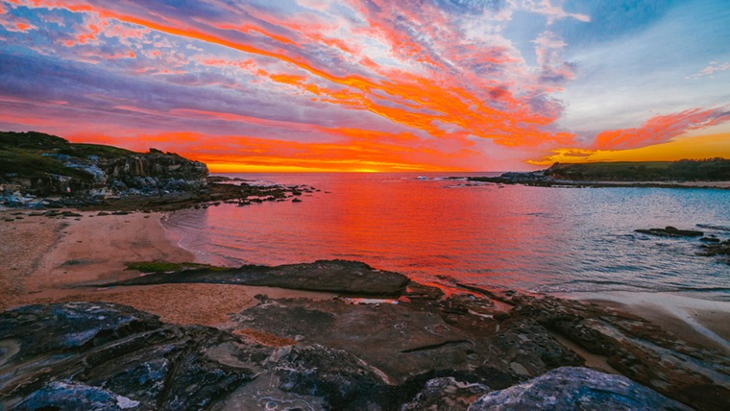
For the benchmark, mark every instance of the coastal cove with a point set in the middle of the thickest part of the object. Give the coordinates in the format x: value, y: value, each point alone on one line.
x: 318, y: 205
x: 444, y: 324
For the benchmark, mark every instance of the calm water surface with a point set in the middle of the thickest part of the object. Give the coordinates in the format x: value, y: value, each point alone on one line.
x: 555, y: 240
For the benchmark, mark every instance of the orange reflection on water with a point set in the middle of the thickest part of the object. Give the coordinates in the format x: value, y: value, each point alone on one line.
x: 422, y: 228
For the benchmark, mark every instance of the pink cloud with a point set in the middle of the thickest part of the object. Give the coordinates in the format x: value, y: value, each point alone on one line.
x: 660, y: 129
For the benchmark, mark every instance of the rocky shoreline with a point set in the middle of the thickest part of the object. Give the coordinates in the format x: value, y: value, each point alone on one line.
x: 536, y: 179
x: 376, y: 340
x: 215, y: 191
x: 419, y: 348
x: 44, y: 172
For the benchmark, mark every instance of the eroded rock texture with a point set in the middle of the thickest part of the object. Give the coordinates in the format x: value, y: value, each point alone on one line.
x: 422, y: 351
x: 105, y: 356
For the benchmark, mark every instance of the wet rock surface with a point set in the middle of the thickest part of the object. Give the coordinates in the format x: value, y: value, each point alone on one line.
x: 571, y: 388
x: 338, y: 276
x: 716, y: 249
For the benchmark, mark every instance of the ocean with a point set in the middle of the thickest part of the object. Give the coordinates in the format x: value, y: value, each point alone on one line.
x: 434, y: 229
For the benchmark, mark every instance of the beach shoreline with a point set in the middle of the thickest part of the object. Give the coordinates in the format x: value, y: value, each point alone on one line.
x: 698, y: 321
x: 67, y: 258
x: 47, y: 258
x: 57, y: 254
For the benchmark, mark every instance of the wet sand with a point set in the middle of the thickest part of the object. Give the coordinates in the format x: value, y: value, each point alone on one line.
x: 702, y: 322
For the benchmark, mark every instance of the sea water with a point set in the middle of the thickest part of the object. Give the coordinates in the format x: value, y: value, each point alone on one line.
x: 434, y: 229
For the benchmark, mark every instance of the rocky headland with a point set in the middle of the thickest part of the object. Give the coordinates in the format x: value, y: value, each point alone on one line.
x: 709, y: 173
x: 42, y: 171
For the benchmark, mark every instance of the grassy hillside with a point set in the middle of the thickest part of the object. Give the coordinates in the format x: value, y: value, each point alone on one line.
x: 715, y: 169
x: 29, y: 155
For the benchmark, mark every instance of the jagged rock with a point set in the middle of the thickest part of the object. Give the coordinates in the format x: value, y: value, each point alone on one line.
x: 345, y: 381
x: 62, y: 396
x: 574, y: 388
x: 530, y: 349
x: 72, y: 170
x: 634, y: 347
x: 420, y: 335
x: 670, y: 231
x: 156, y: 170
x: 425, y: 352
x: 107, y: 356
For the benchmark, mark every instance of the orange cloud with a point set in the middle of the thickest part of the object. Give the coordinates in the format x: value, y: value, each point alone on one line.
x: 250, y: 154
x: 433, y: 101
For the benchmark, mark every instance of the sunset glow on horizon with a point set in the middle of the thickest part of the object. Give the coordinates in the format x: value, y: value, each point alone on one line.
x: 373, y: 85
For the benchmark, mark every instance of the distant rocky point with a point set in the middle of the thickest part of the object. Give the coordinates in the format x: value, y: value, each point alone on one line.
x: 680, y: 173
x: 43, y: 165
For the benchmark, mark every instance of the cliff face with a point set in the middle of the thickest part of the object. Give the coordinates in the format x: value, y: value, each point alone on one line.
x: 155, y: 170
x: 46, y: 165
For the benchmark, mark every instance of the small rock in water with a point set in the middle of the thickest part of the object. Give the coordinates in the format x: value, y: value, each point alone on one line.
x: 670, y: 231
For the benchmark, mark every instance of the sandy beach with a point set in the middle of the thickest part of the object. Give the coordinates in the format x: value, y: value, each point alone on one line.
x: 45, y: 257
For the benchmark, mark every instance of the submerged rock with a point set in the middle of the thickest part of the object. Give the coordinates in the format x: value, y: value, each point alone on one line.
x: 670, y: 231
x: 717, y: 249
x: 574, y: 388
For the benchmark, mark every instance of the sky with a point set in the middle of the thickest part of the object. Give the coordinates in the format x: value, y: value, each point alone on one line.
x: 373, y: 85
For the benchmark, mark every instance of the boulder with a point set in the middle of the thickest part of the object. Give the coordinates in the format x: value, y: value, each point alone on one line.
x: 576, y: 388
x: 106, y: 356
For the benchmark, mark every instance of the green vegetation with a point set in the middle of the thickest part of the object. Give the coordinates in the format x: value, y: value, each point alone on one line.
x: 713, y: 169
x: 32, y: 164
x: 31, y: 140
x: 35, y: 155
x: 157, y: 267
x: 86, y: 150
